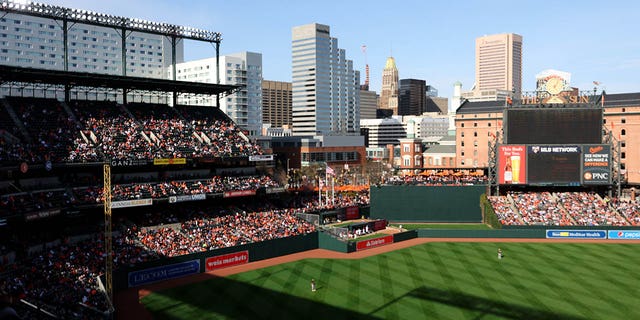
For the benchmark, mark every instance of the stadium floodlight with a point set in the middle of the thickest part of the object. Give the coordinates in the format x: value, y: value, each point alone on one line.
x: 105, y: 20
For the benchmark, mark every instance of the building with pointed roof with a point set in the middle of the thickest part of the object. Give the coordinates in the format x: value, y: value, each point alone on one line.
x: 389, y: 92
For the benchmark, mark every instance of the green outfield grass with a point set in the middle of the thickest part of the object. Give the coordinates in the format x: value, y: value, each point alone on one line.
x: 459, y: 226
x: 430, y: 281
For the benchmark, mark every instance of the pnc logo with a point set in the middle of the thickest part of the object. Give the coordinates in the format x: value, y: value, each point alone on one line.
x: 595, y: 149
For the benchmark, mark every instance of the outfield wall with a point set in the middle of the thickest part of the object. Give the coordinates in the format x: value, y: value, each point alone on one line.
x: 190, y: 264
x: 329, y: 242
x: 427, y: 203
x: 499, y: 233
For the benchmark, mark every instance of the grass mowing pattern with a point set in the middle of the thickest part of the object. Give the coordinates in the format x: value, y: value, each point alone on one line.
x: 430, y: 281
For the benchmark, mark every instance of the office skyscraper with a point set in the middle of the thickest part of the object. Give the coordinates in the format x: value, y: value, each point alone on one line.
x: 413, y: 97
x: 276, y: 103
x: 325, y: 98
x: 499, y: 62
x: 368, y: 104
x: 389, y: 92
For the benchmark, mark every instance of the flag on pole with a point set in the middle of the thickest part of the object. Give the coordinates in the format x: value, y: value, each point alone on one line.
x: 330, y: 171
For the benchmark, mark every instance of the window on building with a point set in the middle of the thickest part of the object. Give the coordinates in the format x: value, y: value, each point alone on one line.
x: 623, y: 132
x: 475, y: 124
x: 623, y: 144
x: 462, y: 134
x: 475, y: 134
x: 623, y: 120
x: 462, y: 125
x: 407, y: 162
x: 406, y: 148
x: 417, y: 147
x: 623, y: 155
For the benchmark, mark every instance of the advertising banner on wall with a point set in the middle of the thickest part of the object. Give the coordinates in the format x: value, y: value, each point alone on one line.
x: 131, y: 203
x: 151, y: 275
x: 372, y: 243
x: 239, y: 193
x: 512, y: 164
x: 226, y: 260
x: 188, y: 197
x: 576, y: 234
x: 261, y: 157
x: 159, y: 162
x: 596, y: 164
x: 624, y: 234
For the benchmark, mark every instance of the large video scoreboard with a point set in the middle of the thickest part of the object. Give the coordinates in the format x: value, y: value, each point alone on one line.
x: 553, y: 125
x: 554, y: 165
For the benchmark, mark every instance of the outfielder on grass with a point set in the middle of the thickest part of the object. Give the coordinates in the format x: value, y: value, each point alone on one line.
x: 313, y: 285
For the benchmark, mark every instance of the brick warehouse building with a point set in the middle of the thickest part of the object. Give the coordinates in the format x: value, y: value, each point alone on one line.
x: 476, y: 122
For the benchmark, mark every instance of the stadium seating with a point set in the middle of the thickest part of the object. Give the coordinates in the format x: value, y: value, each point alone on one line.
x: 61, y: 277
x: 563, y: 209
x: 92, y: 131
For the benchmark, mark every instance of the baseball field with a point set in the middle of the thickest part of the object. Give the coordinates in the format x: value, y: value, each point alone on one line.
x: 435, y: 280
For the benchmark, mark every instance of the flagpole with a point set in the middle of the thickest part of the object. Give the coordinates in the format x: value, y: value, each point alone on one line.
x: 326, y: 183
x: 320, y: 190
x: 333, y: 191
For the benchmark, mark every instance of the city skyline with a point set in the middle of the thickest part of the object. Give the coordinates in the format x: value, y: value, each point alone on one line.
x: 582, y: 40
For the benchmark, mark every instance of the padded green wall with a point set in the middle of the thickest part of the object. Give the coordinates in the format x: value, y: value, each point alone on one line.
x: 427, y: 203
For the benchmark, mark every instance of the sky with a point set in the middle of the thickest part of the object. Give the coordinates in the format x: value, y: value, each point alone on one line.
x: 430, y: 40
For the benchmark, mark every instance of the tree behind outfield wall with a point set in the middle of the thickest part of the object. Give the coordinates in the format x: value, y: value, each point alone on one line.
x: 489, y: 216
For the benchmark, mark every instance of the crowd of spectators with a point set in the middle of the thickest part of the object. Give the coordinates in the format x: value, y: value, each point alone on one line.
x: 49, y: 131
x: 92, y: 131
x: 540, y: 208
x: 225, y: 137
x: 216, y: 184
x: 205, y: 234
x: 564, y: 209
x: 308, y: 203
x: 62, y: 278
x: 629, y: 209
x: 504, y: 210
x: 588, y: 209
x: 157, y: 131
x: 437, y: 180
x: 25, y: 202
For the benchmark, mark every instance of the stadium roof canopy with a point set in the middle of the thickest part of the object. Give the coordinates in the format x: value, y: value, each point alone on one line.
x: 82, y: 79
